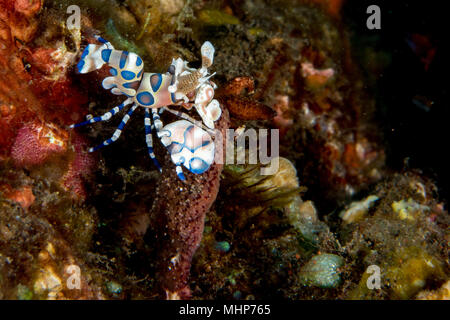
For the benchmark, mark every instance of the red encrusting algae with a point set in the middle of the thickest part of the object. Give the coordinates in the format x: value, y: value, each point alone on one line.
x: 23, y: 196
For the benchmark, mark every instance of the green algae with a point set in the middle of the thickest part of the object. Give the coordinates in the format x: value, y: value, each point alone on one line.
x: 216, y: 17
x: 121, y: 42
x: 23, y: 293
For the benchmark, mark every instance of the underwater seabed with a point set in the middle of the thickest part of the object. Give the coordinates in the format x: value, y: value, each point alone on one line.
x: 356, y: 210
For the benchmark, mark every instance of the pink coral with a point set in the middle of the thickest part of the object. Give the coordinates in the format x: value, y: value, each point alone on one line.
x: 80, y: 166
x: 315, y: 78
x: 282, y: 119
x: 35, y: 143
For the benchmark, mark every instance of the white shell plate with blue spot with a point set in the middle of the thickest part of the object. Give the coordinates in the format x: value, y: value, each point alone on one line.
x: 190, y: 145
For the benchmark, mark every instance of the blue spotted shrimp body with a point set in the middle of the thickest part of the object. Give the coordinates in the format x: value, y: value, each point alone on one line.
x: 186, y: 140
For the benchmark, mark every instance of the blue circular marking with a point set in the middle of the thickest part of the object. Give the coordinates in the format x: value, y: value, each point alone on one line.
x: 198, y: 166
x: 145, y: 98
x: 106, y: 53
x: 123, y: 59
x: 85, y: 53
x: 100, y: 39
x: 175, y: 147
x: 80, y: 65
x: 113, y: 72
x: 138, y: 61
x: 204, y: 143
x: 155, y: 81
x: 181, y: 176
x: 128, y: 75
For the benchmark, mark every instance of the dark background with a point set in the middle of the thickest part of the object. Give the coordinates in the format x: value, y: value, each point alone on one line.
x: 415, y: 136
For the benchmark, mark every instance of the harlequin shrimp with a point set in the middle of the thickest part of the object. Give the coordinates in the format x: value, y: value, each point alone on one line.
x: 188, y: 143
